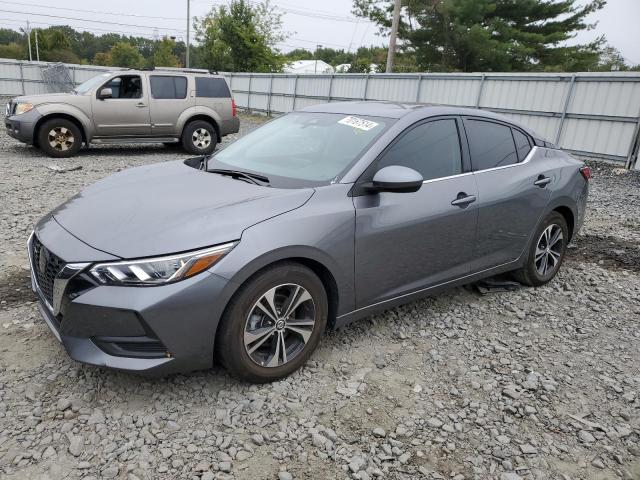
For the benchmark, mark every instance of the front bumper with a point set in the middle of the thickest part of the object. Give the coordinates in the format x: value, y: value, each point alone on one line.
x: 21, y: 127
x: 155, y: 330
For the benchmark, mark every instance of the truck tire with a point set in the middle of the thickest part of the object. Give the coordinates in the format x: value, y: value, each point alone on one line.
x: 59, y: 138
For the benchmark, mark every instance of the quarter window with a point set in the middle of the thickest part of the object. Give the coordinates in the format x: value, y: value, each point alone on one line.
x: 212, y: 88
x: 433, y: 149
x: 165, y: 87
x: 523, y: 146
x: 491, y: 144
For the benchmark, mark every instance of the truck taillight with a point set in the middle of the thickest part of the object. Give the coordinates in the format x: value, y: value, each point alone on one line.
x: 234, y: 109
x: 586, y: 173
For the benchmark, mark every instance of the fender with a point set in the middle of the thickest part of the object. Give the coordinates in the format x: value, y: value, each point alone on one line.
x: 197, y: 110
x: 48, y: 109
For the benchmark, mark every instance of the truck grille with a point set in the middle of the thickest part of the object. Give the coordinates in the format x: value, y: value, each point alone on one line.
x: 45, y: 267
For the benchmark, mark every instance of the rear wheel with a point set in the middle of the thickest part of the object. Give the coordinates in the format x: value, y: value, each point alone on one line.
x: 546, y: 252
x: 199, y: 137
x: 59, y: 137
x: 273, y: 324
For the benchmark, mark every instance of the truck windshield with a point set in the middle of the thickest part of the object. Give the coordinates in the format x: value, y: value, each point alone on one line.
x: 302, y: 148
x: 91, y: 83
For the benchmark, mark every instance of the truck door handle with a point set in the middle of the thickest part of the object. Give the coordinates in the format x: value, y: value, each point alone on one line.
x: 141, y: 105
x: 462, y: 200
x: 542, y: 181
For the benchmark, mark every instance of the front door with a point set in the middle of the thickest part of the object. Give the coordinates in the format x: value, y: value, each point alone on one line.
x: 410, y: 241
x: 514, y: 189
x: 126, y: 113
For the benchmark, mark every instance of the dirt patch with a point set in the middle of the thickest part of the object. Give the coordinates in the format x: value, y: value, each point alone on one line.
x: 15, y: 288
x: 609, y: 252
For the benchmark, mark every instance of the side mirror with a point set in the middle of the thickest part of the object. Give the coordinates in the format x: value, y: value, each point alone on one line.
x: 105, y: 93
x: 395, y: 178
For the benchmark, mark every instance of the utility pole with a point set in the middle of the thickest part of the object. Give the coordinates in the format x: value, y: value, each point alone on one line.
x: 37, y: 50
x: 391, y: 54
x: 29, y: 40
x: 188, y: 22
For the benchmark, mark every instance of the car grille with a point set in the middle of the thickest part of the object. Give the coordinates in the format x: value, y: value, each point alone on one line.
x: 10, y: 110
x: 45, y: 267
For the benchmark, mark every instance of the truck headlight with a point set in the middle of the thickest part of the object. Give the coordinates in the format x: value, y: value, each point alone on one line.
x: 23, y: 108
x: 159, y: 270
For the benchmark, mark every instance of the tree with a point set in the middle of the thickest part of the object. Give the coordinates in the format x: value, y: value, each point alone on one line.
x: 241, y: 37
x: 490, y: 35
x: 13, y: 50
x: 163, y: 55
x: 123, y: 54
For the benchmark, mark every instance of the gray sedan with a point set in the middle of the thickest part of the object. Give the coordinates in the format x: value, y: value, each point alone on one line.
x: 314, y: 220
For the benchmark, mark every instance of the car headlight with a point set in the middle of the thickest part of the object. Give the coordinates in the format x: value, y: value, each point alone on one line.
x: 23, y: 108
x: 159, y: 270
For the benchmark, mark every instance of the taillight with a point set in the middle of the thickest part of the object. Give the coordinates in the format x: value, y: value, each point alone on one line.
x: 586, y: 173
x: 233, y: 108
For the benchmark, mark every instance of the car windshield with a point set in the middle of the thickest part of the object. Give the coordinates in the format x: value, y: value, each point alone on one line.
x: 302, y: 148
x: 91, y: 83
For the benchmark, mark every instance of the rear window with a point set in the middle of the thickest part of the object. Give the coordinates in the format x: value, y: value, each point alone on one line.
x: 212, y: 87
x: 164, y: 87
x: 491, y: 144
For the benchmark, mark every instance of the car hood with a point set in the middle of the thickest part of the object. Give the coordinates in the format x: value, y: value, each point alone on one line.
x: 44, y: 98
x: 168, y: 208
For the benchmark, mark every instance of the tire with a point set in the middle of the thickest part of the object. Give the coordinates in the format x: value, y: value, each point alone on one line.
x: 199, y: 138
x: 534, y: 273
x: 59, y: 138
x: 243, y: 342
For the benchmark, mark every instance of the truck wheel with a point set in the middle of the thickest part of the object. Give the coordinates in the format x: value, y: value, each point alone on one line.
x: 59, y: 138
x: 199, y: 137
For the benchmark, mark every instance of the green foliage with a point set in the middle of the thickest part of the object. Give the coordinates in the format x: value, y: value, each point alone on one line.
x: 163, y: 55
x: 9, y: 36
x: 241, y: 37
x: 123, y: 54
x: 13, y: 50
x: 491, y: 35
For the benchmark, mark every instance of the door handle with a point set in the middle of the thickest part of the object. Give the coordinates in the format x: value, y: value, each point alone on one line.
x: 140, y: 105
x: 542, y: 181
x: 463, y: 200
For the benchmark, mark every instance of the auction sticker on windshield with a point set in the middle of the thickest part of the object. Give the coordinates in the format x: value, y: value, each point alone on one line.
x: 359, y: 123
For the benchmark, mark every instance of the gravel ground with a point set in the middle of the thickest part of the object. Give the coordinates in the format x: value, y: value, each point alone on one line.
x: 531, y: 384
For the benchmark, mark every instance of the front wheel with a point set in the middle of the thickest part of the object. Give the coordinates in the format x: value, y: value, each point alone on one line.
x: 546, y: 252
x: 199, y: 138
x: 60, y: 138
x: 273, y: 324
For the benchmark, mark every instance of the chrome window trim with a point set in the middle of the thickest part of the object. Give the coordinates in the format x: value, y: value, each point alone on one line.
x: 526, y: 160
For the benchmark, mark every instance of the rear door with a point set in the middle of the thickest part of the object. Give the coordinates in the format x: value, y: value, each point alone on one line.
x: 408, y: 241
x: 213, y: 92
x: 126, y: 113
x: 513, y: 190
x: 170, y: 96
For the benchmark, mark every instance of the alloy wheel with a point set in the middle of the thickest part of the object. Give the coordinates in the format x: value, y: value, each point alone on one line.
x: 61, y: 138
x: 549, y: 250
x: 279, y: 325
x: 201, y: 138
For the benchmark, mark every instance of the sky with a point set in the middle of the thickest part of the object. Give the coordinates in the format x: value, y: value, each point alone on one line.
x: 310, y: 22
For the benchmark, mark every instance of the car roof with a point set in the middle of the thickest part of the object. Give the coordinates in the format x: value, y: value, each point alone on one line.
x: 399, y: 109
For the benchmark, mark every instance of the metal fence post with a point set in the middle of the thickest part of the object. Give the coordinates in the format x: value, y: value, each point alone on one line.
x: 478, y: 97
x: 567, y: 100
x: 249, y: 94
x: 634, y: 148
x: 24, y: 92
x: 295, y: 89
x: 330, y: 85
x: 73, y: 76
x: 366, y: 84
x: 269, y: 98
x: 418, y: 87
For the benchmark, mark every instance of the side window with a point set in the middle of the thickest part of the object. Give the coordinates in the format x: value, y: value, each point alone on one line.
x: 433, y: 149
x: 523, y: 146
x: 164, y: 87
x: 491, y: 144
x: 212, y: 88
x: 125, y: 86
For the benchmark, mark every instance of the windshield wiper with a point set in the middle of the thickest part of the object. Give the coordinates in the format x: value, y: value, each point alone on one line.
x: 250, y: 177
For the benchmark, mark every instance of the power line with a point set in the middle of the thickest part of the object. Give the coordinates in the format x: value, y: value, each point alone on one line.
x: 91, y: 11
x: 79, y: 29
x: 88, y: 20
